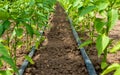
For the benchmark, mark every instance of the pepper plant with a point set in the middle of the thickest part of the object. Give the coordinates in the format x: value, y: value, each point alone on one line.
x: 97, y: 17
x: 20, y: 23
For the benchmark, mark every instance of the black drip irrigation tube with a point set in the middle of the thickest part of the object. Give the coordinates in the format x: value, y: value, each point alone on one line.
x: 89, y: 65
x: 26, y: 62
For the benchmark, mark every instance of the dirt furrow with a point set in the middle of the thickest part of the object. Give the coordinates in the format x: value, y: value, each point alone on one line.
x: 58, y: 54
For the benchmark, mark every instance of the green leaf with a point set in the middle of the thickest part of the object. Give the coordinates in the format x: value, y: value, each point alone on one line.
x: 77, y: 4
x: 10, y: 61
x: 104, y: 65
x: 4, y: 15
x: 6, y: 72
x: 32, y: 2
x: 37, y: 33
x: 85, y: 10
x: 117, y: 72
x: 86, y: 2
x: 37, y: 43
x: 40, y: 39
x: 1, y: 40
x: 99, y: 25
x: 6, y: 24
x: 4, y: 27
x: 111, y: 68
x: 19, y: 44
x: 19, y: 32
x: 112, y: 18
x: 1, y: 63
x: 29, y: 30
x: 3, y: 50
x: 1, y: 30
x: 29, y: 59
x: 92, y: 14
x: 101, y: 43
x: 85, y: 43
x: 115, y: 48
x: 117, y: 5
x: 102, y: 5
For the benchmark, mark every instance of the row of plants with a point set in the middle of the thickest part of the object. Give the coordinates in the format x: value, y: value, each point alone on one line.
x: 20, y: 24
x: 98, y: 17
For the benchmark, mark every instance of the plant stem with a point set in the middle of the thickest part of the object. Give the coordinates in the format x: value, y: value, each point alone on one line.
x: 27, y: 41
x: 15, y: 47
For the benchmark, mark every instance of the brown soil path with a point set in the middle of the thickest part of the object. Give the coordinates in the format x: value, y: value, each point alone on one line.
x: 58, y: 54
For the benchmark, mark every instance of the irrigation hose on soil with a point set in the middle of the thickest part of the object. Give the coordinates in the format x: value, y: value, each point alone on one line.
x: 26, y: 62
x: 89, y: 65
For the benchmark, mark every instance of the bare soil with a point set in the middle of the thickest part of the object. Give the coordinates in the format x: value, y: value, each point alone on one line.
x: 58, y: 54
